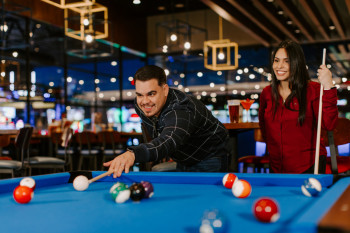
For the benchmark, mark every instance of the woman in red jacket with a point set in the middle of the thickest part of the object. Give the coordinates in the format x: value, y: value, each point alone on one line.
x: 288, y: 111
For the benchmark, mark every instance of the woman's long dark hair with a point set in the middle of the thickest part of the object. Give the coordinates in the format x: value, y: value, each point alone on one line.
x: 298, y: 80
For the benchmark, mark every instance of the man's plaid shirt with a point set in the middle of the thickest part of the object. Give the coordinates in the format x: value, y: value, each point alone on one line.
x: 185, y: 131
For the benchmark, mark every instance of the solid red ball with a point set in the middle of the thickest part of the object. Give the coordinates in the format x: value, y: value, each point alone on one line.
x: 23, y: 194
x: 266, y: 210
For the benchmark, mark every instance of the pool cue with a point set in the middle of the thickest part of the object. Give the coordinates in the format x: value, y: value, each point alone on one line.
x: 318, y: 137
x: 100, y: 176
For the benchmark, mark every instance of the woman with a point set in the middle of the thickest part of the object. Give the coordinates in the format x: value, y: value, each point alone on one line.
x: 288, y: 111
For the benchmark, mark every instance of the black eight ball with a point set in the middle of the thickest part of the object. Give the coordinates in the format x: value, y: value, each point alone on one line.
x: 137, y: 191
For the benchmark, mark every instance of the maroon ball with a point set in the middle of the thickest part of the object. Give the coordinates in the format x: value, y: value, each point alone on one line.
x: 149, y: 191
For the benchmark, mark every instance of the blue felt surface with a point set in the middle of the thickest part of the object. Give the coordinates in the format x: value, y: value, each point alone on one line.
x: 177, y: 205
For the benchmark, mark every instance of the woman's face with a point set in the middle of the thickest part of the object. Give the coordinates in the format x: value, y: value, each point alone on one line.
x: 281, y: 65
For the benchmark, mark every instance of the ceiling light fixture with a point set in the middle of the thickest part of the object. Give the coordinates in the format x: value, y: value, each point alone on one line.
x: 187, y: 45
x: 93, y: 21
x: 72, y: 3
x: 217, y: 53
x: 331, y: 27
x: 173, y: 37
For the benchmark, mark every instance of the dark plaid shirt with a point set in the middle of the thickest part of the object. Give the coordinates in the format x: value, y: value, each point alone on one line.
x: 185, y: 131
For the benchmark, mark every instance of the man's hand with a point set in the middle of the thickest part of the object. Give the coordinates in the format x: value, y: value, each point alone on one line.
x: 121, y: 163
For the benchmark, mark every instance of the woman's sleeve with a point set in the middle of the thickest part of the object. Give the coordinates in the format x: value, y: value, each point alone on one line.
x: 262, y: 113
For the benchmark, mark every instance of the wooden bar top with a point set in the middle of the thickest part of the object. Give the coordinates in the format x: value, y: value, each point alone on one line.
x: 130, y: 134
x: 242, y: 125
x: 337, y: 218
x: 9, y: 131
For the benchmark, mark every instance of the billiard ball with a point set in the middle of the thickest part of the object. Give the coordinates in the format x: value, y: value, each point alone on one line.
x: 229, y: 179
x: 118, y: 184
x: 213, y: 221
x: 80, y: 183
x: 266, y: 210
x: 241, y: 189
x: 23, y: 194
x: 137, y: 191
x: 149, y: 190
x: 120, y: 192
x: 29, y: 182
x: 311, y: 187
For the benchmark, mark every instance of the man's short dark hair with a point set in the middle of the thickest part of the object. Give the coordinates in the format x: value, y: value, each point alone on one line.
x: 151, y: 72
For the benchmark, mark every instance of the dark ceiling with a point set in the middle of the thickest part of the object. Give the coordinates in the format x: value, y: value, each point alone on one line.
x: 305, y: 21
x: 153, y: 7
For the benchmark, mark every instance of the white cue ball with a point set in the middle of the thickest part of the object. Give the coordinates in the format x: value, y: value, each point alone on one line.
x: 28, y: 182
x: 81, y: 183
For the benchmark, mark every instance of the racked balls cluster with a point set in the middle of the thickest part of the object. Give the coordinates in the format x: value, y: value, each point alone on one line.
x: 120, y: 192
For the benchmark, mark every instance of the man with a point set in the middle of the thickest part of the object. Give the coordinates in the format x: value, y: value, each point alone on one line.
x: 181, y: 127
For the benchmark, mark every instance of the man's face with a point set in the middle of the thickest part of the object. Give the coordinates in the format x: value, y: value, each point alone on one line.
x: 150, y: 96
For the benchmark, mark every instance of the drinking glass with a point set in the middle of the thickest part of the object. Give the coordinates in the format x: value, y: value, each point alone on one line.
x: 233, y: 109
x: 246, y: 104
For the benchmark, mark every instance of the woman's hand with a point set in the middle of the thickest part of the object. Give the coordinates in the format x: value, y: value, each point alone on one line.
x: 325, y: 77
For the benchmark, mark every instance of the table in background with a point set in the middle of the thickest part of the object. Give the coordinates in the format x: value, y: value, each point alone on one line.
x: 234, y: 129
x: 9, y: 131
x: 177, y: 206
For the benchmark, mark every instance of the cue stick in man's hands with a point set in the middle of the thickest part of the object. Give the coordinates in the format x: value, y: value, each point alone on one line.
x: 318, y: 137
x: 100, y: 176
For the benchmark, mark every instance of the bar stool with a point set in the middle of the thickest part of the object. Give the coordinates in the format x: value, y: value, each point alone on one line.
x: 46, y: 162
x: 111, y: 145
x: 339, y: 136
x: 62, y: 141
x: 257, y: 163
x: 5, y: 141
x: 87, y: 142
x: 12, y: 166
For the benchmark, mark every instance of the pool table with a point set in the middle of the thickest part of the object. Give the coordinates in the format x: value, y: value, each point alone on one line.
x: 178, y: 204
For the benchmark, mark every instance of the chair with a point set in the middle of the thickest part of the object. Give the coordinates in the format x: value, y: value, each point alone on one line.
x: 11, y: 166
x: 61, y: 141
x: 87, y: 142
x: 45, y: 162
x: 257, y: 163
x: 4, y: 142
x: 110, y: 142
x: 339, y: 136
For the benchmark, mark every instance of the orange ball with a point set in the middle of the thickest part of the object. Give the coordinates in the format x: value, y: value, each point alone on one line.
x: 241, y: 189
x: 23, y: 194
